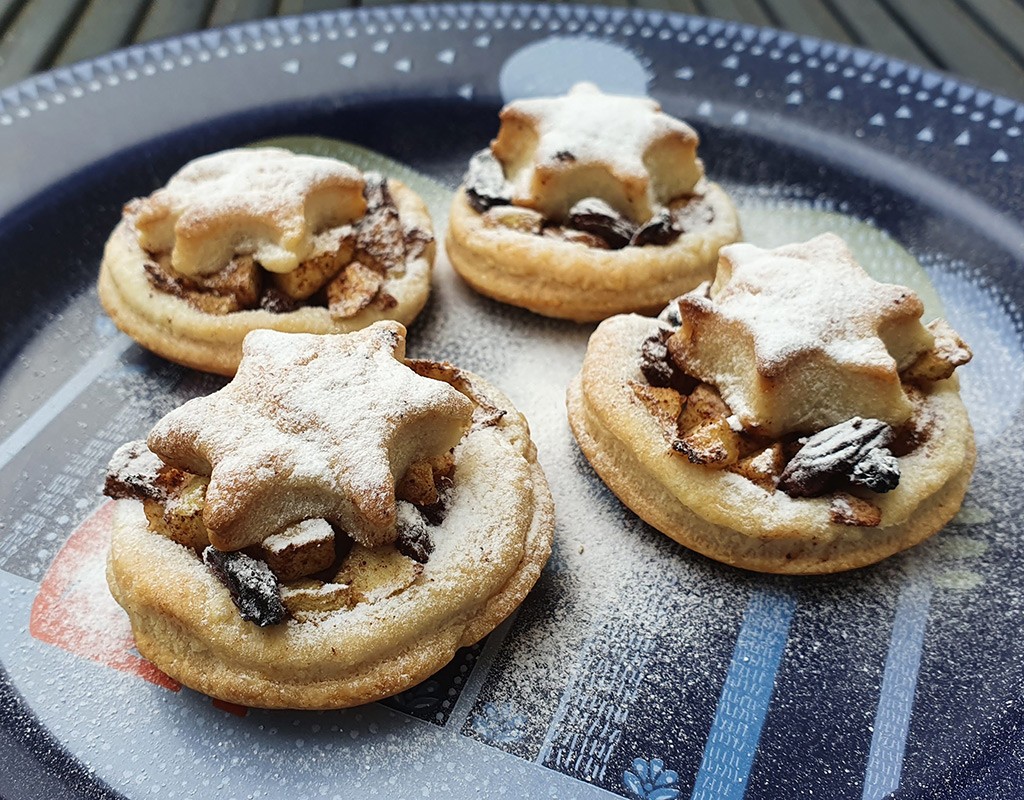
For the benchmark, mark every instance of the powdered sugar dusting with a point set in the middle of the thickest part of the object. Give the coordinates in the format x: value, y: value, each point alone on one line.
x: 599, y: 140
x: 300, y: 534
x: 620, y: 651
x: 800, y: 337
x: 311, y: 427
x: 266, y: 202
x: 814, y: 295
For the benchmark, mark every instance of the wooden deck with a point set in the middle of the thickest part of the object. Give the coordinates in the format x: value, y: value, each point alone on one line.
x: 980, y: 40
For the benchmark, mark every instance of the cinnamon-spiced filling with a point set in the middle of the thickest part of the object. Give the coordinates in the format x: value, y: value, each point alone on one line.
x: 591, y: 221
x: 345, y: 275
x: 851, y: 462
x: 311, y: 567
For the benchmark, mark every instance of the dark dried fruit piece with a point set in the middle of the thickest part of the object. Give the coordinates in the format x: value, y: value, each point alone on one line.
x: 277, y: 302
x: 654, y: 363
x: 413, y: 537
x: 253, y: 587
x: 659, y: 230
x: 878, y: 471
x: 486, y: 186
x: 595, y: 216
x: 835, y: 455
x: 380, y: 238
x: 658, y: 369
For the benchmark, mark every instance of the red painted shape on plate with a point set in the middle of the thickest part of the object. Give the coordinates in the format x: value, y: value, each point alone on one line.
x: 231, y: 708
x: 75, y: 611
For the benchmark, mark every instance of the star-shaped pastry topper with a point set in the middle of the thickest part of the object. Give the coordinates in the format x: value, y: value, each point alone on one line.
x: 801, y: 338
x: 265, y: 202
x: 623, y: 150
x: 312, y: 427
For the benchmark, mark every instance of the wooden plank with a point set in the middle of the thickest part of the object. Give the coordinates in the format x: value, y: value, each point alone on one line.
x: 226, y: 12
x: 738, y: 11
x: 877, y: 30
x: 171, y: 17
x: 809, y: 17
x: 959, y: 44
x: 1004, y: 19
x: 8, y: 8
x: 33, y: 37
x: 105, y: 25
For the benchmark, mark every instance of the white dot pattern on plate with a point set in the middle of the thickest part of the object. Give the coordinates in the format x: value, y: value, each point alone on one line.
x: 931, y: 92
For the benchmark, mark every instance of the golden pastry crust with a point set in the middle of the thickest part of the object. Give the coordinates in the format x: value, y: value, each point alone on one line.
x: 732, y: 519
x: 573, y: 281
x: 174, y: 328
x: 488, y: 552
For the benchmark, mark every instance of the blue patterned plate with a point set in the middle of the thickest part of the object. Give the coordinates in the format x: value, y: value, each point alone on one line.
x: 636, y: 668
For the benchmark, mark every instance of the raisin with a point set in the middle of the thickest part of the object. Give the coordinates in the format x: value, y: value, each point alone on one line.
x: 659, y: 230
x: 855, y: 451
x: 658, y: 369
x: 878, y: 471
x: 413, y: 537
x: 277, y: 302
x: 595, y: 216
x: 486, y: 186
x: 253, y: 587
